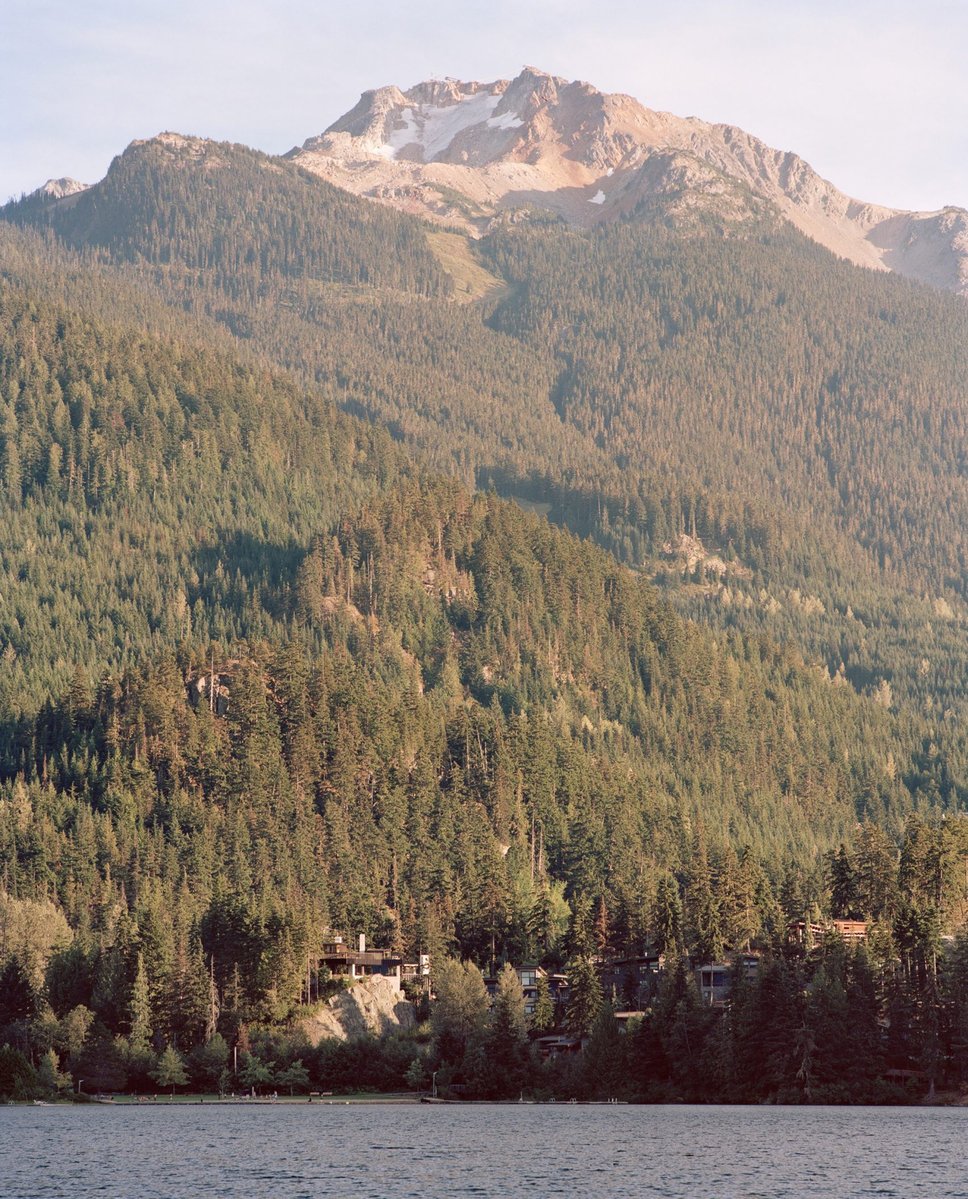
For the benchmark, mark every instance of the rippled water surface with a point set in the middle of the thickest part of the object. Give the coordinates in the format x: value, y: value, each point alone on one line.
x: 308, y: 1150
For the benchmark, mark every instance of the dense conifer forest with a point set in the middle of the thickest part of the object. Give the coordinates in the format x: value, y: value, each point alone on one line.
x: 801, y: 417
x: 270, y: 669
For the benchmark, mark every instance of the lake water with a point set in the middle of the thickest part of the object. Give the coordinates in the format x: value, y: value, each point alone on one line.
x: 309, y: 1150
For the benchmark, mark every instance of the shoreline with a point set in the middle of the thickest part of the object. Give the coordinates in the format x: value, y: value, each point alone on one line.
x: 215, y: 1101
x: 411, y: 1100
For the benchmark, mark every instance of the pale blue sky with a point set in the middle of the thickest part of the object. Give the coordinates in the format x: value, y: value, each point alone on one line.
x: 872, y: 94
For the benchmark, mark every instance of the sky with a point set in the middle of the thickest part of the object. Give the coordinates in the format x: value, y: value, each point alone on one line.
x: 874, y: 95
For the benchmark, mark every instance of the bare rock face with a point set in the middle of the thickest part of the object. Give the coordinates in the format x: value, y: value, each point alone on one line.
x: 368, y: 119
x: 60, y: 192
x: 58, y: 189
x: 468, y: 153
x: 371, y: 1007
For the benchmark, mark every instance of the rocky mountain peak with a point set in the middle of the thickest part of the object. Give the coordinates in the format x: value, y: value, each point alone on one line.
x: 440, y: 93
x: 470, y: 153
x: 368, y: 116
x: 59, y: 189
x: 179, y: 149
x: 533, y: 89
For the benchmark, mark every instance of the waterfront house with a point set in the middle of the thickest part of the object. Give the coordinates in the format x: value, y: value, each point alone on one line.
x: 633, y: 979
x: 343, y: 961
x: 529, y: 975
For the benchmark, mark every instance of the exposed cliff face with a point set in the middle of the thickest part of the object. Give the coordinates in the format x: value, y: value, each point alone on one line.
x: 372, y: 1006
x: 466, y: 153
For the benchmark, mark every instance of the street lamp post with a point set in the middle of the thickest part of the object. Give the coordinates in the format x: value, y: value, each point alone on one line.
x: 433, y: 1083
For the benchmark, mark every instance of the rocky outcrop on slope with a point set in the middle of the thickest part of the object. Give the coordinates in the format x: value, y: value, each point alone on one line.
x: 371, y: 1007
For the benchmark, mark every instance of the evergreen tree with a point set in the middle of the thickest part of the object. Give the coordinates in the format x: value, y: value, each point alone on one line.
x: 703, y: 906
x: 543, y: 1015
x: 667, y: 916
x: 139, y: 1016
x: 843, y: 886
x: 584, y: 996
x: 170, y: 1071
x: 604, y: 1063
x: 18, y: 1078
x: 506, y: 1040
x: 18, y: 999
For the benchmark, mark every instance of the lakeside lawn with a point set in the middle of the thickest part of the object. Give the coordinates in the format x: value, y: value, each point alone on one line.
x: 162, y: 1099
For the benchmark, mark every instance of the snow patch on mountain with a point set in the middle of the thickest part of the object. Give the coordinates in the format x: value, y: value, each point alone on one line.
x: 442, y: 125
x: 428, y: 130
x: 409, y: 132
x: 507, y: 120
x: 467, y: 154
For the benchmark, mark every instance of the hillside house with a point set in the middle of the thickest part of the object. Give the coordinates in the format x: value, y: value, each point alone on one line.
x: 528, y: 976
x: 853, y: 932
x: 557, y: 1044
x: 342, y: 961
x: 631, y: 980
x: 418, y: 971
x: 715, y: 979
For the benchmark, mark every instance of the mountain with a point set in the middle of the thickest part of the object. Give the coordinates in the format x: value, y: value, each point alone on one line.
x: 60, y: 189
x: 641, y: 382
x: 244, y: 642
x: 192, y: 190
x: 265, y: 670
x: 472, y: 153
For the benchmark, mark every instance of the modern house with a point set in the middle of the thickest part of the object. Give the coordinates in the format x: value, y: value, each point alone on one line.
x: 342, y: 961
x: 556, y: 1044
x: 715, y: 980
x: 631, y: 980
x: 854, y: 932
x: 528, y: 976
x: 418, y: 971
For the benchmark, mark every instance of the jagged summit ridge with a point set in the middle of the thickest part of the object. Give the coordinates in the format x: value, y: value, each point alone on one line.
x: 420, y: 124
x: 466, y: 152
x: 453, y: 121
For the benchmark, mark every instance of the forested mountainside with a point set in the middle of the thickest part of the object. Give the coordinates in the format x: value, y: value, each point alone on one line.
x: 192, y: 205
x: 437, y: 718
x: 801, y: 420
x: 160, y: 501
x: 262, y: 675
x: 152, y: 492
